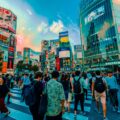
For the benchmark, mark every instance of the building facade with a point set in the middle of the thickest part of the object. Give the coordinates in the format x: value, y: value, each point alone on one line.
x: 8, y: 24
x: 31, y: 57
x: 100, y: 33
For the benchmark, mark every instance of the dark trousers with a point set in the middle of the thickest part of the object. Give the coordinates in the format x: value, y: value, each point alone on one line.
x: 58, y: 117
x: 3, y: 108
x: 8, y: 99
x: 23, y: 91
x: 35, y: 114
x: 85, y: 92
x: 79, y: 97
x: 113, y: 97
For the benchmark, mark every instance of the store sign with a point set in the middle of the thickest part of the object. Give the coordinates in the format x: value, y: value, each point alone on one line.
x: 7, y: 20
x: 95, y: 14
x: 4, y: 33
x: 63, y: 36
x: 77, y: 48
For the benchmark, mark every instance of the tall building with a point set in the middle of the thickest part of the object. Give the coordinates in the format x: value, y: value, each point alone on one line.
x: 100, y: 33
x: 8, y: 24
x: 65, y: 52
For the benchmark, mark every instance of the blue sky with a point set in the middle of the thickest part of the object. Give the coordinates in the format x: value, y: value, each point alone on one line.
x: 44, y: 19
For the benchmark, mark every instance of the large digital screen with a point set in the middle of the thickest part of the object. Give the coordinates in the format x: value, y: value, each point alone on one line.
x: 79, y: 54
x: 95, y: 14
x: 64, y: 54
x: 7, y: 20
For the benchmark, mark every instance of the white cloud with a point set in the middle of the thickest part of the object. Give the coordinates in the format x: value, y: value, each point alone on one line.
x: 29, y: 11
x: 43, y: 27
x: 57, y: 27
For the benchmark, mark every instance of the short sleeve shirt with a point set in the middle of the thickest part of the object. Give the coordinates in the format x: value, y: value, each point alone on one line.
x: 55, y: 94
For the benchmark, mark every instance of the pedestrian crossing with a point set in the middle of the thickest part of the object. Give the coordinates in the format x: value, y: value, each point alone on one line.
x: 19, y: 110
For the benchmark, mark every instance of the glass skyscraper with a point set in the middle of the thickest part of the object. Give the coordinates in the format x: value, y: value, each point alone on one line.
x: 100, y: 32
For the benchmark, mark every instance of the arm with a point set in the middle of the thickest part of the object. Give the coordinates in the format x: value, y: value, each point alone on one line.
x: 93, y: 85
x: 62, y: 98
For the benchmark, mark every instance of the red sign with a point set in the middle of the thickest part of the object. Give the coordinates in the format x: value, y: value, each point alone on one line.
x: 58, y: 63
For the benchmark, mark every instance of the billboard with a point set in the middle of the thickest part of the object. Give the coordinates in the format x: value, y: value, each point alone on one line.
x: 34, y: 55
x: 64, y: 54
x: 63, y: 36
x: 79, y: 54
x: 77, y: 48
x: 11, y: 52
x: 95, y: 14
x: 7, y: 20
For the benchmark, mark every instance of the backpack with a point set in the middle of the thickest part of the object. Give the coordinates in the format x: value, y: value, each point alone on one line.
x: 77, y: 86
x: 29, y: 96
x: 99, y: 85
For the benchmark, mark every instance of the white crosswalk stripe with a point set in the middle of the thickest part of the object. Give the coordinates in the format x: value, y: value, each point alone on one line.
x: 18, y: 111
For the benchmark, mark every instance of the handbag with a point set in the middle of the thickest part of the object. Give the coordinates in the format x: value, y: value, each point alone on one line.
x: 43, y: 102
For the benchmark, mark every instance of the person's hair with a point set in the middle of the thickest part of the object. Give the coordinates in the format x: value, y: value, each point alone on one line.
x: 97, y: 72
x: 38, y: 75
x: 55, y: 74
x: 84, y: 75
x: 93, y: 74
x: 77, y: 73
x: 109, y: 71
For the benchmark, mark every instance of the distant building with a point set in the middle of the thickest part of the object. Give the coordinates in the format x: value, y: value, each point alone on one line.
x: 30, y: 56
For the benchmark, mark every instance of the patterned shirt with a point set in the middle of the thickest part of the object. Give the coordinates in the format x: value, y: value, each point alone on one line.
x: 55, y: 96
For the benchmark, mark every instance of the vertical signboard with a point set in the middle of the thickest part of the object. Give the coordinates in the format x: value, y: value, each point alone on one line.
x: 58, y: 63
x: 11, y: 52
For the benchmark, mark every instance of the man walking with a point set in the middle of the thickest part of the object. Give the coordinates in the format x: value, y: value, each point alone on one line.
x: 99, y: 89
x: 56, y: 98
x: 113, y: 91
x: 77, y: 88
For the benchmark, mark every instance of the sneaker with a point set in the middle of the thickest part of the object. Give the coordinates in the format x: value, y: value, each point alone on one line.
x: 6, y: 114
x: 83, y: 113
x: 106, y: 118
x: 118, y: 110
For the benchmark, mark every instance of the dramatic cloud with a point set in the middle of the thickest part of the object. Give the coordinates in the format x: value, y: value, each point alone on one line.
x: 43, y: 27
x: 57, y: 27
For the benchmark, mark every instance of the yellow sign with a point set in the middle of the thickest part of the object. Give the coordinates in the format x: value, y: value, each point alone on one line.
x: 64, y: 39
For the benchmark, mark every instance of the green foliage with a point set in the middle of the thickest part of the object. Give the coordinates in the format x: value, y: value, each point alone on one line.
x: 22, y: 66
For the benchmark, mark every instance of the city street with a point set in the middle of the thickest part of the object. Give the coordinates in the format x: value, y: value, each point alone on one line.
x: 19, y: 111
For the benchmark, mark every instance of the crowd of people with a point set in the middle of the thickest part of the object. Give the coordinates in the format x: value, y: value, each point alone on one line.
x: 49, y: 96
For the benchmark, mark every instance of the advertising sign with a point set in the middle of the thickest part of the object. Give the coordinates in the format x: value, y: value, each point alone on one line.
x: 95, y: 14
x: 79, y: 54
x: 64, y: 54
x: 63, y: 36
x: 5, y: 59
x: 58, y: 63
x: 77, y: 48
x: 7, y: 20
x: 34, y: 55
x: 11, y: 52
